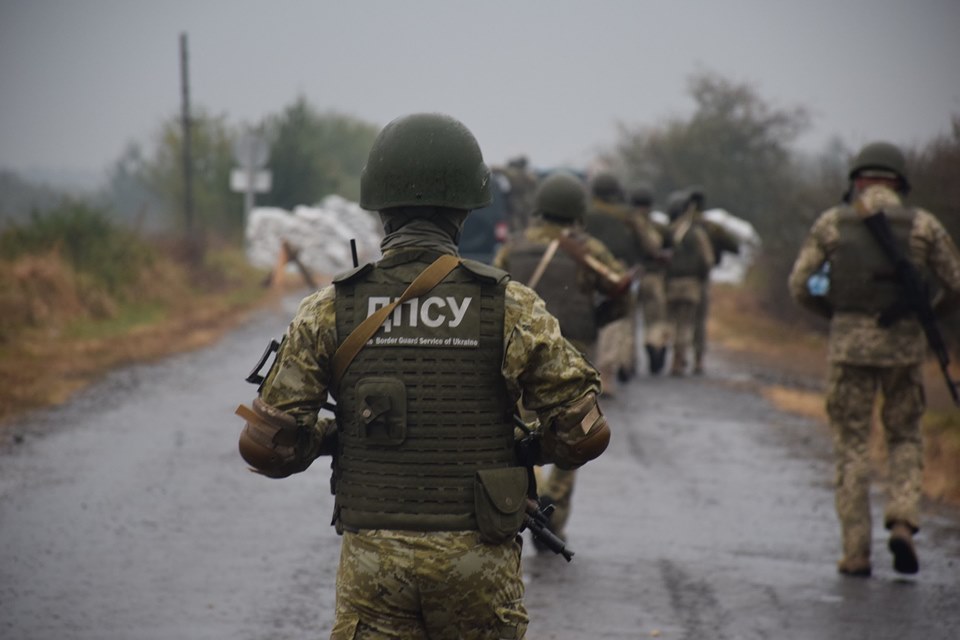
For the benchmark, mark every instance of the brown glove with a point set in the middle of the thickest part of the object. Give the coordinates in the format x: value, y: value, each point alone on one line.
x: 577, y: 435
x: 272, y: 442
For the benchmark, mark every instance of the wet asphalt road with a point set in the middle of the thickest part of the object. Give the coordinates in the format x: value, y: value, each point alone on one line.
x: 127, y: 514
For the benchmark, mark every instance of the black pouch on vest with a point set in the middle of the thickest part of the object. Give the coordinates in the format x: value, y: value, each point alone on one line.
x: 500, y: 497
x: 382, y: 410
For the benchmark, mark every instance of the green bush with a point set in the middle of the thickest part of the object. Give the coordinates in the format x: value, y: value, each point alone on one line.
x: 111, y: 256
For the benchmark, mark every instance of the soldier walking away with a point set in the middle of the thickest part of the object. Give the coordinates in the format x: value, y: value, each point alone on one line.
x: 523, y: 184
x: 652, y: 294
x: 567, y: 267
x: 609, y: 220
x: 690, y: 263
x: 878, y: 318
x: 426, y: 355
x: 722, y: 241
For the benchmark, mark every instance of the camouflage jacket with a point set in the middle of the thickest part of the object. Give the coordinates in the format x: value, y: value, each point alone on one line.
x: 650, y: 234
x: 538, y: 363
x: 722, y: 240
x: 856, y: 338
x: 693, y: 258
x: 630, y: 238
x: 545, y: 232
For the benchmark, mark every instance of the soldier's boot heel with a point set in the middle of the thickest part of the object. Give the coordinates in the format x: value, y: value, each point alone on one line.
x: 654, y: 363
x: 901, y: 546
x: 698, y: 366
x: 858, y: 567
x: 660, y: 359
x: 679, y: 366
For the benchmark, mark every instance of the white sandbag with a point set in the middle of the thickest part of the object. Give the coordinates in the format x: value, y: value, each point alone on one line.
x: 733, y: 267
x: 320, y: 234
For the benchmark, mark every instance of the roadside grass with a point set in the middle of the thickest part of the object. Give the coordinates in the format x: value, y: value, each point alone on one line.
x: 70, y: 311
x: 739, y: 324
x: 127, y: 319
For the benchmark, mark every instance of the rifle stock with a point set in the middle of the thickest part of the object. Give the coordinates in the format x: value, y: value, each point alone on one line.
x: 613, y: 284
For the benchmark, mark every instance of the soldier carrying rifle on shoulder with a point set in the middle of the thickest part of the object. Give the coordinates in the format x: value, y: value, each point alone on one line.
x: 885, y: 259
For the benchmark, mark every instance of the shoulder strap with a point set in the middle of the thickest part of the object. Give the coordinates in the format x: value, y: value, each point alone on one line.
x: 427, y: 280
x: 542, y: 265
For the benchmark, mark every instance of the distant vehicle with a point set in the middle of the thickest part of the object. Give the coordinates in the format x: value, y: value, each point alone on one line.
x: 487, y: 229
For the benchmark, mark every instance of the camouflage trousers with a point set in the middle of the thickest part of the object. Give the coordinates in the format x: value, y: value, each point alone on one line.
x: 682, y: 315
x: 409, y: 585
x: 617, y: 342
x: 653, y: 303
x: 700, y: 325
x: 558, y: 486
x: 850, y: 400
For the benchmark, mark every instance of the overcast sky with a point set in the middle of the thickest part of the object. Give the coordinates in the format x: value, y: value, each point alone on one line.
x: 79, y: 79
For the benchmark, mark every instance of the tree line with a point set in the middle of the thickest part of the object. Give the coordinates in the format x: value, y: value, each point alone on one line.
x: 742, y: 151
x: 735, y: 144
x: 313, y: 154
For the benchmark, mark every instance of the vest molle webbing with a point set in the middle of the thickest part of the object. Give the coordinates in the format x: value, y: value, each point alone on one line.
x: 423, y: 406
x: 862, y: 278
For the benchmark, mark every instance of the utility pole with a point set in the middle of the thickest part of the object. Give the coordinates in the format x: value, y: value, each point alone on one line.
x: 194, y: 246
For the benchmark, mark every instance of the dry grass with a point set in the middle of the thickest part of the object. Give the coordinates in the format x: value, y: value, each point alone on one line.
x: 804, y: 403
x: 739, y: 325
x: 60, y: 334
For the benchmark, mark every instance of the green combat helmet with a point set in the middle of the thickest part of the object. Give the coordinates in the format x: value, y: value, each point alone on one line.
x: 697, y: 197
x: 677, y: 203
x: 606, y: 187
x: 641, y: 196
x: 881, y: 157
x: 561, y: 196
x: 425, y: 159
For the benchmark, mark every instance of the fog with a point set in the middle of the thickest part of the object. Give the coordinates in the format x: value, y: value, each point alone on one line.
x: 548, y: 78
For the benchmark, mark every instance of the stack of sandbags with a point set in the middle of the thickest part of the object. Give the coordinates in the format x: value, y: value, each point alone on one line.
x: 733, y: 267
x: 320, y: 235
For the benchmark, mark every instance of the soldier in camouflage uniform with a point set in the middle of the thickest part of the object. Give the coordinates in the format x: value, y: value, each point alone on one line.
x: 567, y: 288
x: 690, y: 263
x: 430, y: 490
x: 652, y: 295
x: 722, y: 242
x: 523, y: 184
x: 609, y: 220
x: 866, y: 357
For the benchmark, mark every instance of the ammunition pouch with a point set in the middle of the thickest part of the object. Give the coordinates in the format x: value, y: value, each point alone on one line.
x: 500, y: 500
x: 578, y: 435
x: 272, y: 442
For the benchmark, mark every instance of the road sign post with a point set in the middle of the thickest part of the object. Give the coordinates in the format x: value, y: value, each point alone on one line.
x: 251, y: 153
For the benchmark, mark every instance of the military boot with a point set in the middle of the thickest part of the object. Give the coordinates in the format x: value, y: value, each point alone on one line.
x: 901, y: 546
x: 659, y: 359
x: 698, y: 365
x: 858, y: 567
x: 679, y: 366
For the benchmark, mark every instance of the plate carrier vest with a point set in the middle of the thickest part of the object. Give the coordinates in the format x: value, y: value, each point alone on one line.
x: 417, y: 422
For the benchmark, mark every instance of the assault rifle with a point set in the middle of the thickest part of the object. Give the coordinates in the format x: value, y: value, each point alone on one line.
x: 537, y: 517
x: 613, y: 285
x: 916, y: 296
